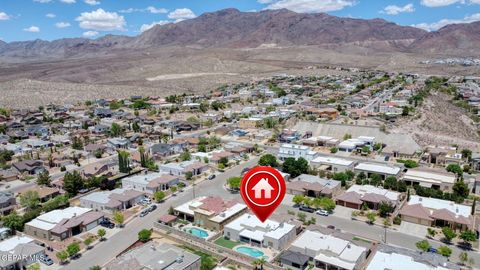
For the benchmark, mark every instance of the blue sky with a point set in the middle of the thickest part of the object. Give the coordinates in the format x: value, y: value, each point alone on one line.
x: 53, y: 19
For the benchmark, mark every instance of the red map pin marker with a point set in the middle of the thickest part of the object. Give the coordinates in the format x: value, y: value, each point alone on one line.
x: 263, y: 189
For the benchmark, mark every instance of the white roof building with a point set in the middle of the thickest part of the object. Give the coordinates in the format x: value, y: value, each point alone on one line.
x: 248, y: 228
x: 381, y: 169
x: 329, y: 249
x: 393, y: 258
x: 49, y: 220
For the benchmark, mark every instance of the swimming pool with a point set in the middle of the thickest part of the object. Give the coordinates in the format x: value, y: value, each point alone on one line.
x: 252, y: 252
x: 198, y: 232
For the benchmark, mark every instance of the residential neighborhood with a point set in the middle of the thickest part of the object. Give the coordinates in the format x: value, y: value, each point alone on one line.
x: 153, y: 183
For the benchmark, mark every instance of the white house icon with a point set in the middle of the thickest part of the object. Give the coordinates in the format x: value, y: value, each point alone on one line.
x: 265, y: 186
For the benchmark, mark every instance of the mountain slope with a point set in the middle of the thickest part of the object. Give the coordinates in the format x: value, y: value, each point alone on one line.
x: 233, y: 28
x: 450, y: 39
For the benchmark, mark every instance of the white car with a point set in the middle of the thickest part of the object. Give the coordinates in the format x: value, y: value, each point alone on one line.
x: 322, y: 212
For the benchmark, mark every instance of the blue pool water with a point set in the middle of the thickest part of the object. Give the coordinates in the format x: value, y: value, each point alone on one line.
x: 252, y: 252
x: 198, y: 232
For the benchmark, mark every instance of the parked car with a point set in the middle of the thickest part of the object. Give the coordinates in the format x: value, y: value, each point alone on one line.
x: 107, y: 224
x: 152, y: 208
x: 331, y: 227
x: 244, y: 171
x: 145, y: 201
x: 322, y: 212
x: 306, y: 209
x: 144, y: 213
x: 211, y: 177
x: 45, y: 260
x: 432, y: 250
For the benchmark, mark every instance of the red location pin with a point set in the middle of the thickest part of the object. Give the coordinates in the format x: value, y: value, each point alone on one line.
x: 263, y: 189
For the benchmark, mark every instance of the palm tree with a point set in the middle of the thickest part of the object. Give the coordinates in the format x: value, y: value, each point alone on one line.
x: 260, y: 262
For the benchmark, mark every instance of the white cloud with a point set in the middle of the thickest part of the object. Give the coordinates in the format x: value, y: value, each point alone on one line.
x: 181, y: 14
x: 149, y: 9
x: 32, y: 29
x: 155, y: 10
x: 395, y: 10
x: 50, y: 15
x: 62, y: 25
x: 443, y: 3
x: 4, y: 16
x: 309, y: 6
x: 146, y: 27
x: 42, y: 1
x: 101, y: 20
x: 92, y: 2
x: 90, y: 34
x: 437, y: 25
x: 68, y: 1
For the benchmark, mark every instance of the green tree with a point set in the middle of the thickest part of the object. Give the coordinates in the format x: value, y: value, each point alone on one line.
x: 431, y: 232
x: 62, y: 256
x: 101, y: 233
x: 385, y: 208
x: 298, y: 199
x: 234, y: 182
x: 224, y: 161
x: 13, y: 221
x: 30, y: 199
x: 88, y: 241
x: 448, y: 234
x: 118, y: 217
x: 455, y: 168
x: 371, y: 217
x: 144, y: 235
x: 95, y: 267
x: 188, y: 175
x: 73, y: 182
x: 467, y: 154
x: 124, y: 162
x: 390, y: 183
x: 375, y: 180
x: 116, y: 130
x: 333, y: 150
x: 73, y: 249
x: 423, y: 245
x: 44, y: 179
x: 268, y: 160
x: 463, y: 257
x: 136, y: 127
x: 173, y: 189
x: 159, y: 196
x: 461, y: 189
x: 445, y: 251
x: 185, y: 155
x: 468, y: 236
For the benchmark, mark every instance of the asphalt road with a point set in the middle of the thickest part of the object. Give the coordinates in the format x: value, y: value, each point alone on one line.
x: 103, y: 252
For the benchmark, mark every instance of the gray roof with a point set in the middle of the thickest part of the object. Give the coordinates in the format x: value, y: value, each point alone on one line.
x: 402, y: 143
x: 295, y: 257
x: 155, y: 257
x: 5, y: 197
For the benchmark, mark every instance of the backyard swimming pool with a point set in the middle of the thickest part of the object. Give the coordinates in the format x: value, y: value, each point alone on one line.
x: 198, y: 232
x: 252, y: 252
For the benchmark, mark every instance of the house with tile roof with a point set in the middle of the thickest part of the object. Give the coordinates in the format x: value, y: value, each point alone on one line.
x: 210, y: 212
x: 436, y: 212
x: 357, y: 195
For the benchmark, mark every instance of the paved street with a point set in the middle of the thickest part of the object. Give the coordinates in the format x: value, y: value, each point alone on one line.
x: 120, y: 241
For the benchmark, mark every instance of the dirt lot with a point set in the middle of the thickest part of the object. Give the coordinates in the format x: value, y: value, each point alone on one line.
x: 441, y: 123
